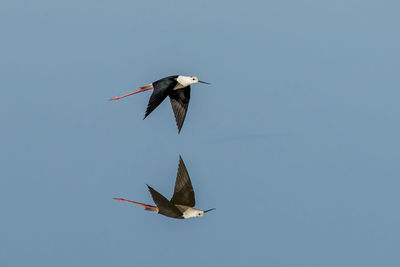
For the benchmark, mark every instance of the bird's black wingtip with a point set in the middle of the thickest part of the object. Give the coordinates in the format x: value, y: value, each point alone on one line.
x: 146, y: 114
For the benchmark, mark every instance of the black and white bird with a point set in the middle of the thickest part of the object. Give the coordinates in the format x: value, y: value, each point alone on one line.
x: 177, y: 87
x: 182, y: 202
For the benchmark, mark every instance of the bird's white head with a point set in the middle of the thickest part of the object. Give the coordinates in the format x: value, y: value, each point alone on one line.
x: 192, y: 212
x: 197, y: 213
x: 188, y: 80
x: 200, y: 213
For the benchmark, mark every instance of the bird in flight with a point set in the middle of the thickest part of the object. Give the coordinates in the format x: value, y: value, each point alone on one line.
x: 182, y: 202
x: 177, y: 87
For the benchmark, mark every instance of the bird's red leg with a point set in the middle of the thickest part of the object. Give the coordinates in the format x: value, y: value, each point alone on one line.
x: 142, y: 89
x: 137, y: 203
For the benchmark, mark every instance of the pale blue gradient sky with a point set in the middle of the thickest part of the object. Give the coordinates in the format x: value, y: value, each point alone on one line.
x: 296, y: 142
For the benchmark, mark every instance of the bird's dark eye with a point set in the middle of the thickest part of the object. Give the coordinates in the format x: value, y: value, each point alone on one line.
x: 194, y: 79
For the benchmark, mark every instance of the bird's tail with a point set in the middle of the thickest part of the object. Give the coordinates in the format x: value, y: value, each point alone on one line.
x: 146, y: 207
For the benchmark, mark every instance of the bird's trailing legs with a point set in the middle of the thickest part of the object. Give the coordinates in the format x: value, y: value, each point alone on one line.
x: 142, y: 89
x: 147, y: 207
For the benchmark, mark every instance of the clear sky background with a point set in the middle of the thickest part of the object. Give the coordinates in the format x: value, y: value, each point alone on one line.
x: 296, y: 142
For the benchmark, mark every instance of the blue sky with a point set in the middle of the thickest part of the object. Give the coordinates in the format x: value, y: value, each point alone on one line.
x: 295, y: 142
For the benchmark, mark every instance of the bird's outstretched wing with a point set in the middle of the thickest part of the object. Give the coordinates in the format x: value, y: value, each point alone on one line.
x: 180, y: 102
x: 156, y: 98
x: 183, y: 193
x: 165, y: 207
x: 161, y: 90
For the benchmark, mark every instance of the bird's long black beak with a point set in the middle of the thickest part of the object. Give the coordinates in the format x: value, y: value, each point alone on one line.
x: 209, y: 210
x: 204, y: 82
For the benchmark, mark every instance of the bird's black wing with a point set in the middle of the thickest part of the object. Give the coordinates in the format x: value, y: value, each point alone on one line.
x: 180, y: 102
x: 183, y: 193
x: 165, y: 207
x: 161, y: 90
